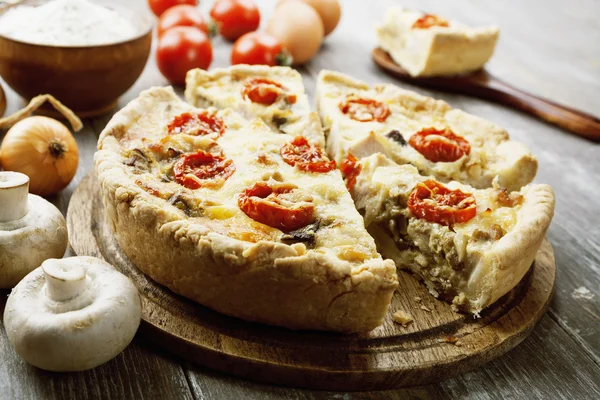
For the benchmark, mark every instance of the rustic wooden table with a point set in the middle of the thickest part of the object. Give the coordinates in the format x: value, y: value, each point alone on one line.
x: 548, y: 48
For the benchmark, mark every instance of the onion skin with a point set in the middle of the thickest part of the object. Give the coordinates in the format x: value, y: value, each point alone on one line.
x: 44, y: 150
x: 299, y: 28
x: 2, y: 102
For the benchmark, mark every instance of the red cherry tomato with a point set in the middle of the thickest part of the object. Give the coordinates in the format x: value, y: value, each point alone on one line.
x: 351, y: 169
x: 364, y: 110
x: 280, y: 206
x: 199, y: 124
x: 266, y: 92
x: 202, y: 169
x: 434, y: 202
x: 180, y: 49
x: 440, y: 145
x: 259, y: 48
x: 160, y: 6
x: 181, y: 15
x: 306, y: 157
x: 235, y: 17
x: 429, y: 20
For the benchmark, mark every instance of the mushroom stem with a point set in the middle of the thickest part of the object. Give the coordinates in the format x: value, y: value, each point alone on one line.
x: 14, y: 192
x: 64, y: 281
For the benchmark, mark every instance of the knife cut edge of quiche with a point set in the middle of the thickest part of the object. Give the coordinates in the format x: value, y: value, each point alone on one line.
x: 342, y: 284
x: 490, y: 153
x: 471, y: 264
x: 226, y: 88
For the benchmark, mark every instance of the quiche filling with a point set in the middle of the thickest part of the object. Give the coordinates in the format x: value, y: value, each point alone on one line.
x: 445, y: 143
x: 437, y: 231
x: 274, y: 94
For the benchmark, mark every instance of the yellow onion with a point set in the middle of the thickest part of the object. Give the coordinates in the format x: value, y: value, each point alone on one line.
x: 43, y: 149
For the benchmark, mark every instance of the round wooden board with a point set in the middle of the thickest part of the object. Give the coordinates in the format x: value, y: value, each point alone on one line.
x: 438, y: 344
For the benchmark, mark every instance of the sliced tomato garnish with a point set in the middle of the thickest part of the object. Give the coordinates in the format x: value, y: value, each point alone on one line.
x: 196, y: 124
x: 429, y: 20
x: 351, y: 169
x: 266, y: 92
x: 280, y: 206
x: 305, y: 156
x: 364, y: 110
x: 440, y: 145
x: 202, y: 169
x: 434, y: 202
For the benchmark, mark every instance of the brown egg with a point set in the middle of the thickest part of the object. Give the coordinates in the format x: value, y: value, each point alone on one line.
x: 299, y: 28
x: 330, y: 12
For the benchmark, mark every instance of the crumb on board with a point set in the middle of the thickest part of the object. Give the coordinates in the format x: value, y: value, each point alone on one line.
x: 417, y: 299
x: 451, y: 339
x: 424, y: 307
x: 403, y: 318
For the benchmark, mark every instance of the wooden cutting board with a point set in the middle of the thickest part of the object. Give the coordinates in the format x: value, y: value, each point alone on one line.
x: 438, y: 344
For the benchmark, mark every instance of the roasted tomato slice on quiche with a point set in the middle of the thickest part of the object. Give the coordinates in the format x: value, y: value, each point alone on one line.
x: 306, y: 157
x: 280, y: 205
x: 429, y: 20
x: 266, y: 91
x: 440, y: 145
x: 351, y: 169
x: 196, y: 124
x: 364, y: 110
x: 435, y: 202
x: 202, y: 169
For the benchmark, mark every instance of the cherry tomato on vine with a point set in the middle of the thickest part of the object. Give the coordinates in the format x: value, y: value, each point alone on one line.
x: 235, y: 17
x: 160, y: 6
x: 180, y: 49
x: 259, y: 48
x: 181, y: 15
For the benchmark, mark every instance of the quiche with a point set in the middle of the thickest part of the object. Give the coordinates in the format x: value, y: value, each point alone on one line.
x: 469, y: 246
x: 429, y: 45
x: 274, y: 94
x: 446, y: 143
x: 247, y: 221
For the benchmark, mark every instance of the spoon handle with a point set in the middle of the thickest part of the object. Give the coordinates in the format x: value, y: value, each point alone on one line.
x: 575, y: 121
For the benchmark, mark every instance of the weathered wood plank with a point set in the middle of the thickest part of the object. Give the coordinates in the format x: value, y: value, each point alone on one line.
x: 540, y: 368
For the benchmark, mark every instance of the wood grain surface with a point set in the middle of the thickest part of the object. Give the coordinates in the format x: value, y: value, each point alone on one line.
x: 547, y: 48
x: 438, y: 344
x: 485, y: 86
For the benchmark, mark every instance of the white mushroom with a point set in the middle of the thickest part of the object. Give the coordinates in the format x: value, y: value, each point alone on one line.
x: 31, y: 229
x: 72, y: 314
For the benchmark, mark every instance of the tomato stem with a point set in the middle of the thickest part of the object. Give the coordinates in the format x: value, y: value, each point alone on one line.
x: 284, y: 59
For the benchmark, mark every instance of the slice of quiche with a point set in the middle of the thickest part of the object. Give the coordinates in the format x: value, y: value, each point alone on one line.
x: 429, y: 45
x: 246, y: 221
x: 470, y: 246
x: 427, y: 133
x: 274, y: 94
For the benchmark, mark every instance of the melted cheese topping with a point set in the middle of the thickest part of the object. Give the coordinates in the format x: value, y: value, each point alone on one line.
x: 437, y: 50
x: 409, y: 114
x: 255, y: 151
x: 222, y: 88
x: 441, y: 254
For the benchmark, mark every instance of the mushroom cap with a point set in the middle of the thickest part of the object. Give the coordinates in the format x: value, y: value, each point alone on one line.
x: 78, y: 333
x: 25, y: 243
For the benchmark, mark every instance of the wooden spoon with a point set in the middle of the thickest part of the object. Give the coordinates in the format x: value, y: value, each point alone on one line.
x: 483, y: 85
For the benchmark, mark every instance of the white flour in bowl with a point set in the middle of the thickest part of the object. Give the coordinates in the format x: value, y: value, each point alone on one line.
x: 66, y: 23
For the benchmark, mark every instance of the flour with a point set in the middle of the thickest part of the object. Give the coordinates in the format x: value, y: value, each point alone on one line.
x: 66, y: 23
x: 582, y: 293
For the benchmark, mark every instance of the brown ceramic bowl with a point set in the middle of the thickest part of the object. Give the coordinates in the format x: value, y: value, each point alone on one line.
x: 89, y: 80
